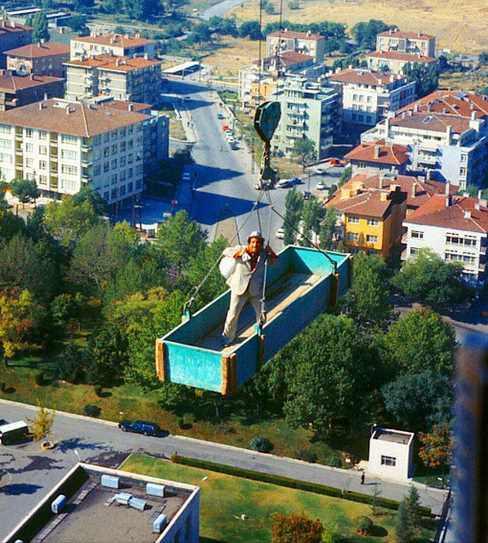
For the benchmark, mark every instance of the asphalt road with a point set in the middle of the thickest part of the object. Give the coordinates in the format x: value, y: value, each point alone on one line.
x: 220, y: 9
x: 28, y: 474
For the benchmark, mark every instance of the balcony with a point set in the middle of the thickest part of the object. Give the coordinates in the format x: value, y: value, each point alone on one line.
x: 86, y: 148
x: 482, y: 250
x: 482, y: 268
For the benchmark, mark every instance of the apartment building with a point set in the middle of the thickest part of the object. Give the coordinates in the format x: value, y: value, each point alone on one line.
x: 415, y: 43
x: 111, y: 44
x: 370, y: 218
x: 453, y: 148
x: 306, y: 43
x: 12, y: 35
x: 395, y: 61
x: 66, y: 145
x: 254, y: 88
x: 136, y: 79
x: 454, y: 227
x: 39, y: 59
x: 367, y: 97
x: 459, y: 103
x: 308, y: 110
x: 378, y: 157
x: 16, y: 91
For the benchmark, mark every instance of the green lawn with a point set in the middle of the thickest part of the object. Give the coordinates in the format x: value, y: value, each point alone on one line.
x: 225, y: 498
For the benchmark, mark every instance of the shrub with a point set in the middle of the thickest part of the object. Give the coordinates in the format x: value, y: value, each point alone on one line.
x: 99, y: 391
x: 181, y: 423
x: 307, y: 455
x: 364, y: 525
x: 91, y: 410
x: 334, y: 460
x: 261, y: 444
x: 39, y: 379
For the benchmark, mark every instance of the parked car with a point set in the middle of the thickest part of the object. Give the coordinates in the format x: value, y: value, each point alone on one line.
x: 320, y: 170
x: 296, y: 181
x: 280, y: 233
x: 307, y: 195
x: 284, y: 183
x: 220, y: 115
x: 141, y: 427
x: 321, y: 185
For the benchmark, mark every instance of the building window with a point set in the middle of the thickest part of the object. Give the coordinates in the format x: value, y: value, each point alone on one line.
x: 29, y: 148
x: 388, y: 460
x: 43, y: 180
x: 352, y: 236
x: 353, y: 219
x: 29, y: 133
x: 413, y: 251
x: 42, y: 135
x: 371, y: 239
x: 43, y: 149
x: 373, y: 222
x: 417, y: 234
x: 70, y: 140
x: 42, y: 165
x: 69, y: 154
x: 69, y: 169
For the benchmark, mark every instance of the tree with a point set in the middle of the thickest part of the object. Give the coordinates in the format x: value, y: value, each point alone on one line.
x: 251, y: 30
x: 327, y: 372
x: 72, y: 364
x: 427, y: 278
x: 20, y: 321
x: 403, y: 528
x: 65, y: 309
x: 367, y: 301
x: 419, y: 400
x: 179, y: 237
x: 304, y: 149
x: 295, y: 528
x: 40, y: 30
x: 201, y: 33
x: 436, y: 446
x: 25, y: 190
x: 10, y: 225
x: 328, y: 228
x: 412, y: 502
x: 426, y: 77
x: 107, y: 355
x: 142, y: 10
x: 345, y: 176
x: 83, y: 5
x: 29, y: 266
x: 483, y: 58
x: 365, y: 32
x: 293, y: 211
x: 421, y: 339
x: 41, y: 426
x: 69, y: 220
x: 312, y: 214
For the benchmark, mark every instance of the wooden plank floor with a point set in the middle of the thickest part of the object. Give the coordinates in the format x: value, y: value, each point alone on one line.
x: 279, y: 296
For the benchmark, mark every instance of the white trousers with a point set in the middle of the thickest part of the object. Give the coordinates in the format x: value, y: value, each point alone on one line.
x: 237, y: 303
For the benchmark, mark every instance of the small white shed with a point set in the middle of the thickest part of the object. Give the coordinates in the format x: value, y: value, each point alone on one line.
x: 391, y: 454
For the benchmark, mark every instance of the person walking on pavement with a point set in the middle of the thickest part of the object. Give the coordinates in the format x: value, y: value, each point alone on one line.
x: 363, y: 476
x: 246, y: 281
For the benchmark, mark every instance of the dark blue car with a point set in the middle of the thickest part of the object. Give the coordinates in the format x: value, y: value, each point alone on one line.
x: 141, y: 427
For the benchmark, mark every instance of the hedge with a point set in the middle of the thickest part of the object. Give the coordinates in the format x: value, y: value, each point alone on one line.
x: 293, y: 483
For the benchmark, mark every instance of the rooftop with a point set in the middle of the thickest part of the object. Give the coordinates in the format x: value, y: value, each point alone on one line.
x: 380, y: 153
x: 436, y: 122
x: 396, y: 33
x: 364, y: 77
x: 292, y: 57
x: 119, y: 40
x: 7, y: 26
x: 394, y: 436
x: 93, y: 513
x: 396, y: 55
x: 459, y: 103
x: 457, y: 212
x: 114, y: 64
x: 74, y: 118
x: 12, y: 83
x: 286, y: 34
x: 38, y: 50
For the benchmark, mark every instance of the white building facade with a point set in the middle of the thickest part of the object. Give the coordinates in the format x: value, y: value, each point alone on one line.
x: 406, y: 42
x: 119, y: 45
x: 391, y: 454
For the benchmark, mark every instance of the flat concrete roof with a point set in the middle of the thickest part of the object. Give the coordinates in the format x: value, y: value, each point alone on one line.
x: 394, y: 436
x: 91, y: 513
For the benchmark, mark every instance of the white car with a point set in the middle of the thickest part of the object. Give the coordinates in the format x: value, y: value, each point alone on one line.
x: 321, y: 186
x: 284, y: 183
x: 320, y: 170
x: 280, y: 233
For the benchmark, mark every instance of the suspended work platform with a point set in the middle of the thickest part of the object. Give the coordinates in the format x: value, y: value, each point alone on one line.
x: 300, y: 285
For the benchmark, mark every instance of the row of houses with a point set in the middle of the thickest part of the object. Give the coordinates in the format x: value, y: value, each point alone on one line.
x: 81, y: 114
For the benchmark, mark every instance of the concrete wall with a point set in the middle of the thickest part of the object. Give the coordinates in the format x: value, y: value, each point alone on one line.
x: 402, y: 454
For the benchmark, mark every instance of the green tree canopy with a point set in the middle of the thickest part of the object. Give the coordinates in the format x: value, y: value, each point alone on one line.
x: 326, y: 371
x: 40, y: 30
x: 420, y: 340
x: 367, y: 301
x: 365, y: 32
x: 328, y: 228
x: 293, y: 212
x: 251, y: 30
x: 312, y: 214
x: 304, y: 150
x: 427, y: 278
x: 25, y: 190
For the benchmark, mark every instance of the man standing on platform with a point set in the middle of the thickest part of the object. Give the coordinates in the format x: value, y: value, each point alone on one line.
x: 246, y: 281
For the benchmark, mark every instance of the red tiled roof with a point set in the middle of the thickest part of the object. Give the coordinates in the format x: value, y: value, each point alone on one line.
x: 296, y: 35
x: 406, y: 35
x: 115, y: 40
x: 364, y: 77
x: 396, y: 55
x: 435, y: 212
x: 452, y: 102
x: 124, y: 105
x: 388, y: 153
x: 11, y: 83
x: 74, y: 118
x: 37, y: 50
x: 292, y: 57
x: 367, y: 203
x: 436, y: 122
x: 115, y: 64
x: 9, y: 26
